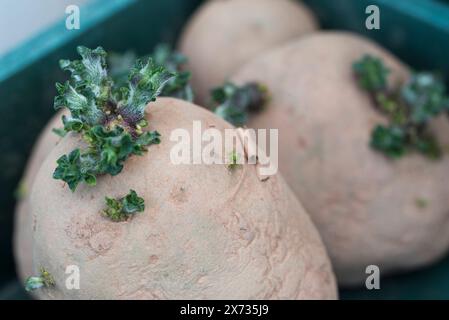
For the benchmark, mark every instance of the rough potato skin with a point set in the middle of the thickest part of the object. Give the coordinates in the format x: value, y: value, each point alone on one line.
x: 225, y: 34
x: 206, y: 232
x: 22, y: 241
x: 364, y: 205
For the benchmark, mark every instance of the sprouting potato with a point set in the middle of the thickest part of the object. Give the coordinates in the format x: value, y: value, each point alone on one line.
x: 224, y: 34
x: 207, y: 232
x: 369, y: 209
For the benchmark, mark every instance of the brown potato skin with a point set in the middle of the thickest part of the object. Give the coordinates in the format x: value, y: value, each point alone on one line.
x: 224, y: 34
x: 363, y: 204
x: 206, y: 232
x: 22, y: 241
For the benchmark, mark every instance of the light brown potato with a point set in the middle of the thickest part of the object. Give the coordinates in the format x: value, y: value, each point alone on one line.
x: 206, y: 232
x: 365, y: 206
x: 224, y: 34
x: 22, y: 241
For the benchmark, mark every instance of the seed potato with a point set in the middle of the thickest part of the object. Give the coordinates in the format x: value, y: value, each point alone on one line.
x: 206, y: 232
x: 224, y: 34
x: 370, y: 210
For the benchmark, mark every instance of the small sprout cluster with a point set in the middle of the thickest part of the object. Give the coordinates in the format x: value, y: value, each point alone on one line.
x: 421, y: 203
x: 21, y: 190
x: 45, y: 279
x: 233, y: 161
x: 233, y: 103
x: 173, y: 61
x: 110, y: 119
x: 59, y: 132
x: 409, y: 108
x: 121, y: 209
x: 163, y: 56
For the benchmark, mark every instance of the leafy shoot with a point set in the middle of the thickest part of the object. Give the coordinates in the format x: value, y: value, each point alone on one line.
x: 121, y: 209
x: 109, y: 119
x: 234, y: 103
x: 45, y: 279
x: 409, y: 107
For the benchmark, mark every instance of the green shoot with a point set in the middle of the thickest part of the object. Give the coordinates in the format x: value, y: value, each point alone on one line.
x: 45, y: 279
x: 121, y: 209
x: 408, y: 107
x: 109, y: 119
x: 234, y: 103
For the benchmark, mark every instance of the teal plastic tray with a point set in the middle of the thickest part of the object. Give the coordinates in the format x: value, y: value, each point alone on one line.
x: 416, y: 30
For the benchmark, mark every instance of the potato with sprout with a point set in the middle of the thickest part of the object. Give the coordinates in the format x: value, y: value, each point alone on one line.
x: 164, y: 231
x: 120, y: 65
x: 361, y: 143
x: 224, y: 34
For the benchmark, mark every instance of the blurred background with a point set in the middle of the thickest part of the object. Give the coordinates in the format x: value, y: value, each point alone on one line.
x: 33, y: 37
x: 24, y: 19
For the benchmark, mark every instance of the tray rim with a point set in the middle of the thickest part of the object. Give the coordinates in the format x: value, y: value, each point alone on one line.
x: 56, y: 35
